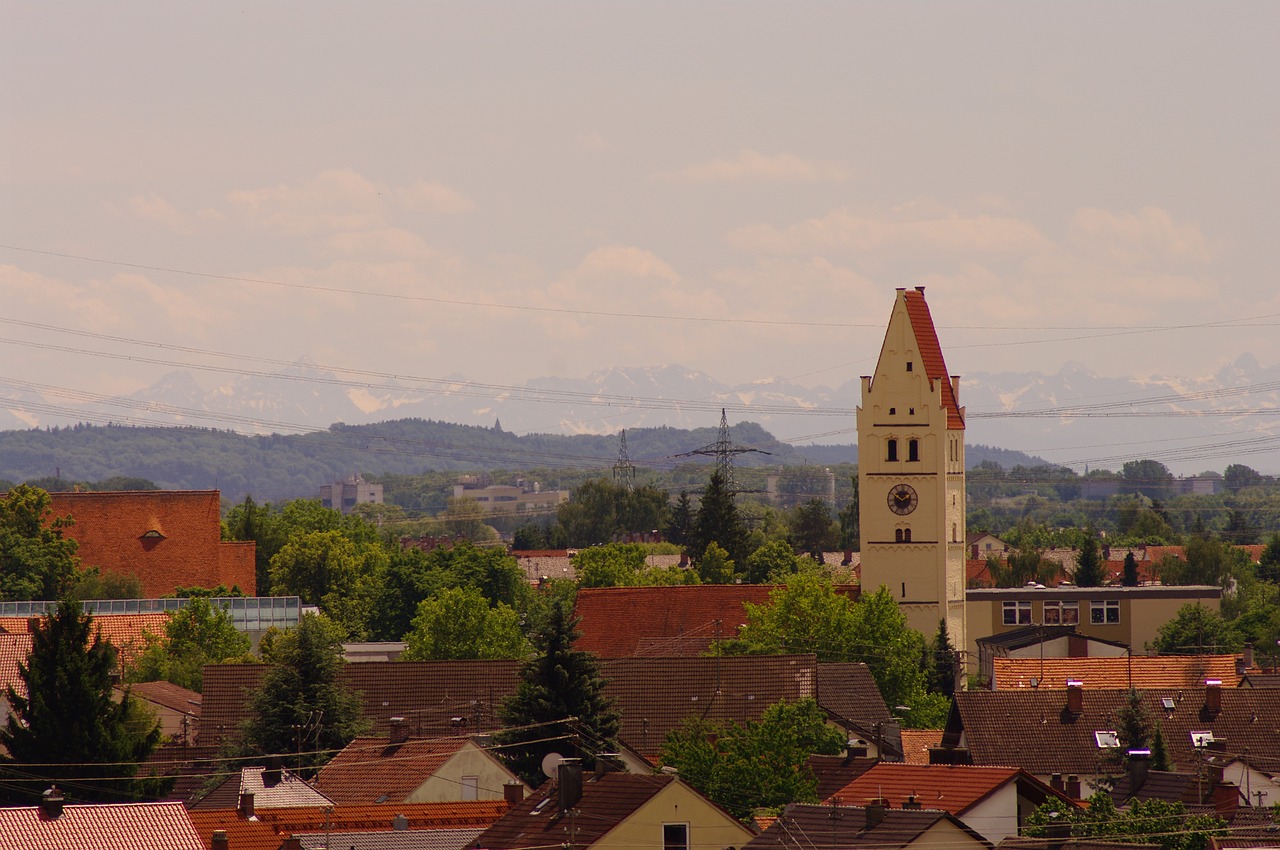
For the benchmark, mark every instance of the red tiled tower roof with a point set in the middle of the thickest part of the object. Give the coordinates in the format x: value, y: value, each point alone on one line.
x: 931, y: 355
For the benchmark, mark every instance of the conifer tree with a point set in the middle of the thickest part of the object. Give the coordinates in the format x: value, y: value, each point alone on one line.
x: 1088, y: 572
x: 1130, y: 578
x: 559, y: 705
x: 67, y: 729
x: 718, y: 521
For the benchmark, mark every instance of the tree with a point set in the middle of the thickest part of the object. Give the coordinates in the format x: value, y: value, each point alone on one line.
x: 460, y: 624
x: 67, y: 728
x: 1196, y: 630
x: 1130, y: 577
x: 1147, y: 477
x: 464, y: 517
x: 944, y: 664
x: 1169, y: 825
x: 599, y: 509
x: 251, y: 521
x: 772, y: 562
x: 759, y: 765
x: 1027, y: 564
x: 850, y: 530
x: 1269, y: 563
x: 614, y: 565
x: 812, y: 529
x: 194, y: 636
x: 1134, y: 725
x: 1237, y: 476
x: 718, y: 522
x: 36, y: 560
x: 680, y: 525
x: 302, y: 708
x: 559, y: 705
x: 1088, y: 572
x: 715, y: 566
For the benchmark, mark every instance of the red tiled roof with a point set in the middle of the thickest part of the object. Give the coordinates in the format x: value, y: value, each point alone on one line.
x: 950, y: 788
x: 371, y: 768
x: 168, y: 695
x: 185, y: 547
x: 931, y: 354
x: 289, y: 791
x: 843, y: 827
x: 14, y: 650
x: 1142, y: 671
x: 242, y: 834
x: 101, y: 826
x: 916, y: 744
x: 126, y: 632
x: 615, y: 622
x: 451, y: 815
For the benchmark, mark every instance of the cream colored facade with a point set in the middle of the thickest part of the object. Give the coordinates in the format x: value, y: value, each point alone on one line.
x: 911, y: 474
x: 469, y: 774
x: 709, y: 826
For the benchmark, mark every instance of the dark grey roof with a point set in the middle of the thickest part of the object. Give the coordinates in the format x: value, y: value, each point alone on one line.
x: 802, y: 827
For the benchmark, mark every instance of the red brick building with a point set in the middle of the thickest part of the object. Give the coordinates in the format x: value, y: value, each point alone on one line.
x: 167, y: 538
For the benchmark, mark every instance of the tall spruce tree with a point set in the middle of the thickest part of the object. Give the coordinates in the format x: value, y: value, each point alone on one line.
x: 942, y: 672
x: 67, y: 728
x: 718, y: 521
x: 1130, y: 577
x: 1088, y: 572
x: 559, y: 705
x: 302, y: 708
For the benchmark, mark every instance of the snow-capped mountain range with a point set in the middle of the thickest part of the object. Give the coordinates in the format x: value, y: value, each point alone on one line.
x: 1074, y: 416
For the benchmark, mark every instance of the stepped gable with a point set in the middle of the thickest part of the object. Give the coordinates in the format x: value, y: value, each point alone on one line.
x: 1139, y: 671
x: 167, y: 538
x: 931, y: 355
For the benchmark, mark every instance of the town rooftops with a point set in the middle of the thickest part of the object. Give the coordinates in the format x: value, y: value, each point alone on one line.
x: 949, y: 788
x: 1138, y: 671
x: 1056, y: 731
x: 271, y: 789
x: 810, y: 826
x: 101, y: 826
x: 371, y: 770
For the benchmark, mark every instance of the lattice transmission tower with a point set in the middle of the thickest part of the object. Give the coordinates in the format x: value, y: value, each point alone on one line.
x: 624, y: 471
x: 724, y: 450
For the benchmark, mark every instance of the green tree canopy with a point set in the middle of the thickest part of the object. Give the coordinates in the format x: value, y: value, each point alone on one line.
x: 812, y: 530
x: 559, y: 705
x: 460, y: 624
x: 36, y: 560
x: 302, y: 709
x: 1088, y: 571
x: 719, y: 522
x: 1196, y: 630
x: 194, y: 636
x: 772, y: 562
x: 67, y: 727
x: 1142, y: 822
x: 759, y: 765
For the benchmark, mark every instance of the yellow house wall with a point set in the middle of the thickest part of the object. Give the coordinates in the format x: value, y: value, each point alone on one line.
x: 445, y: 785
x: 710, y: 828
x: 945, y: 835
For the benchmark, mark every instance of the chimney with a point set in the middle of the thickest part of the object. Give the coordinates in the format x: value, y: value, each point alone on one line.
x: 1226, y: 799
x: 605, y: 763
x: 399, y: 730
x: 246, y: 804
x: 569, y: 778
x: 51, y: 802
x: 1139, y: 762
x: 1072, y: 786
x: 219, y: 840
x: 1212, y: 697
x: 854, y: 748
x: 399, y: 823
x: 1058, y: 832
x: 875, y: 813
x: 1247, y: 661
x: 513, y: 792
x: 1055, y: 782
x: 293, y: 842
x: 912, y: 802
x: 272, y: 773
x: 1075, y: 696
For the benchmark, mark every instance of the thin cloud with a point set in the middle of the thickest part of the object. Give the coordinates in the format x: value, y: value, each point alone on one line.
x: 753, y: 166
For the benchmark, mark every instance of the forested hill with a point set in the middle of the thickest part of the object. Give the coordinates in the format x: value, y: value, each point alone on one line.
x: 289, y: 466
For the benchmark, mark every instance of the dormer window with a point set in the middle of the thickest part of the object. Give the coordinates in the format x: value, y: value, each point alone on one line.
x: 153, y: 535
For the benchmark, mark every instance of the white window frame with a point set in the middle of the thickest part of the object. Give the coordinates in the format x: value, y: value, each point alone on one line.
x: 1104, y: 612
x: 1020, y: 611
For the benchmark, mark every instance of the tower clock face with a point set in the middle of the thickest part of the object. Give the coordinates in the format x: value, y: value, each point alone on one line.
x: 903, y: 499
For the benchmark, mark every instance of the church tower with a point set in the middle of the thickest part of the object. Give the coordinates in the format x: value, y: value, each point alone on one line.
x: 911, y: 474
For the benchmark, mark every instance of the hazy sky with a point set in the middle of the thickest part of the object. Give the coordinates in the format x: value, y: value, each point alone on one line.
x: 504, y: 190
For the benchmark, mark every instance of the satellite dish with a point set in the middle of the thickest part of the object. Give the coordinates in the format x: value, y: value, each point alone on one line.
x: 551, y: 764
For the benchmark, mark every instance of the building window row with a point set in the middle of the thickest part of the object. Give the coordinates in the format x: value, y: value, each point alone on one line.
x: 1102, y: 612
x: 913, y: 451
x: 902, y: 535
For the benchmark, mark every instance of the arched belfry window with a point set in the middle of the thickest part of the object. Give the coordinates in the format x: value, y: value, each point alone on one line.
x: 897, y: 535
x: 906, y: 535
x: 892, y: 450
x: 913, y: 450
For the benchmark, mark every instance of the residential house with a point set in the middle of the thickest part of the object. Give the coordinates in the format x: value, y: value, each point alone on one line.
x: 177, y: 708
x: 615, y: 811
x: 873, y: 827
x: 57, y: 825
x: 1126, y: 615
x: 1070, y: 735
x: 1036, y: 642
x: 254, y: 789
x: 992, y: 801
x: 166, y: 538
x: 1143, y: 672
x: 984, y: 544
x: 406, y: 769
